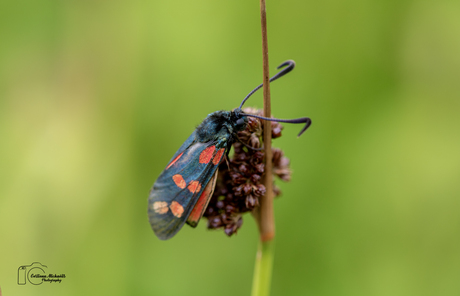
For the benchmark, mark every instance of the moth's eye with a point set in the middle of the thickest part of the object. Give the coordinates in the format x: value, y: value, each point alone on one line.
x: 240, y: 122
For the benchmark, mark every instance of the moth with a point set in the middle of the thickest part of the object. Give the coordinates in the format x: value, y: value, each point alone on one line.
x: 182, y: 191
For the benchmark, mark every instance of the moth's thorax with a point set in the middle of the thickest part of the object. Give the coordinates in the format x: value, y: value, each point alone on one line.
x: 221, y: 123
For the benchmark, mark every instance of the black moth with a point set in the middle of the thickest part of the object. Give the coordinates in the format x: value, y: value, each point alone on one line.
x: 183, y: 190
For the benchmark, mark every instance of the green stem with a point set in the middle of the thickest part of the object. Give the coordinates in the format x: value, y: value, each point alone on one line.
x: 264, y: 214
x: 263, y: 268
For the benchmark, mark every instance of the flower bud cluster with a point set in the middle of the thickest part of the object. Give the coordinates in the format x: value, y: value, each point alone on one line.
x: 239, y: 184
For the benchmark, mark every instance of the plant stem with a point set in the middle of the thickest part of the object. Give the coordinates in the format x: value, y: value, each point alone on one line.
x: 264, y: 215
x: 263, y: 269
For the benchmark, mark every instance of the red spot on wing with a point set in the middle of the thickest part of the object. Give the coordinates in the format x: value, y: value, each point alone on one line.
x: 206, y: 154
x: 176, y: 209
x: 174, y: 160
x: 160, y: 207
x: 194, y: 186
x: 179, y: 180
x: 202, y: 203
x: 218, y: 156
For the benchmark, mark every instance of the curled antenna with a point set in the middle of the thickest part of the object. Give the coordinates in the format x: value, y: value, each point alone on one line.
x: 290, y: 65
x: 305, y: 120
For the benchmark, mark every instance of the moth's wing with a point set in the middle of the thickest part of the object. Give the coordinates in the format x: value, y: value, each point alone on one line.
x: 202, y: 202
x: 180, y: 185
x: 190, y: 140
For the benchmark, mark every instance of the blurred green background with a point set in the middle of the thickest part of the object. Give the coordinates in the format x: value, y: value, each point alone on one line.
x: 96, y: 96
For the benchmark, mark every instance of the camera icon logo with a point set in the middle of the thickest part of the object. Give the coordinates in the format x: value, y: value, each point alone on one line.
x: 34, y: 273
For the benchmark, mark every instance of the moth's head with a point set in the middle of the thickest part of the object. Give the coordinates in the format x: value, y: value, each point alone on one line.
x: 239, y: 119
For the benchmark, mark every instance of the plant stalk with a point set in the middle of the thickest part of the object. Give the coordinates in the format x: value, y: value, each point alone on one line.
x: 263, y: 269
x: 265, y: 214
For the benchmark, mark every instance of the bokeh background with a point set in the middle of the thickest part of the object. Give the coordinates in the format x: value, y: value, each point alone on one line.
x: 96, y: 96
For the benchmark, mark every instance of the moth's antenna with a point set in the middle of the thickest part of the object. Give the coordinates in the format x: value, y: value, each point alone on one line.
x: 305, y: 120
x: 290, y: 65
